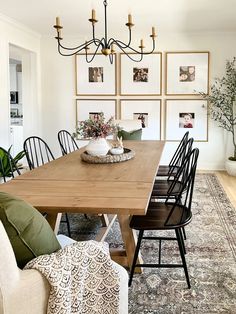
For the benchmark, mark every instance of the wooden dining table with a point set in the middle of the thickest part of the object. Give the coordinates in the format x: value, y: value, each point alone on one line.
x: 70, y: 185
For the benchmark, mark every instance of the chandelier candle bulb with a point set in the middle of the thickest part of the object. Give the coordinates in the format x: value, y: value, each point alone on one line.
x: 58, y: 23
x: 130, y: 19
x: 93, y: 14
x: 153, y: 32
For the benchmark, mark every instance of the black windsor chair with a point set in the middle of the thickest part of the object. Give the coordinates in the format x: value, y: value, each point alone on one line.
x: 176, y: 160
x: 168, y: 215
x: 163, y: 188
x: 67, y: 142
x: 38, y: 153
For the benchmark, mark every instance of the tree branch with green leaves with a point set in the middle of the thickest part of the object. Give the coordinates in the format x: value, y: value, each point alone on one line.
x: 222, y: 101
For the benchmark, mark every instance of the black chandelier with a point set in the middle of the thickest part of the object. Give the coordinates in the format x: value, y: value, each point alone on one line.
x: 105, y: 45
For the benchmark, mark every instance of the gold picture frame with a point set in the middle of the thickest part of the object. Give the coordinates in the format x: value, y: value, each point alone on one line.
x: 142, y: 78
x: 183, y: 115
x: 186, y: 72
x: 97, y: 78
x: 149, y: 111
x: 84, y: 107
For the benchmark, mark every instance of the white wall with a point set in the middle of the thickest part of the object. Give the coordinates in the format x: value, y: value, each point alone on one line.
x: 18, y: 35
x: 58, y: 90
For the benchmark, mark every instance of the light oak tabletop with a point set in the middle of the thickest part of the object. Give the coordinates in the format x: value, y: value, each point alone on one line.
x: 69, y: 184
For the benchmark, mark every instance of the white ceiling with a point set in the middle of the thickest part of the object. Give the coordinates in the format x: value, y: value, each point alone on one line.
x: 166, y: 15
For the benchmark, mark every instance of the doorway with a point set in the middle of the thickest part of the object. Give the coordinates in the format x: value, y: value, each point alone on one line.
x: 16, y: 106
x: 23, y: 96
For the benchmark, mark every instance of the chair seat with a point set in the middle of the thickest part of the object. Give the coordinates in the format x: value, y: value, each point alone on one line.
x: 163, y: 171
x: 157, y: 215
x: 161, y: 188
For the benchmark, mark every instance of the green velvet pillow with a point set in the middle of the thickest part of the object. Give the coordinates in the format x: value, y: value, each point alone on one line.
x: 29, y: 232
x: 133, y: 135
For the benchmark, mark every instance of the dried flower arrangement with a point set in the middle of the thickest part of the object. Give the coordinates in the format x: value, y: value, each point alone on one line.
x: 96, y: 127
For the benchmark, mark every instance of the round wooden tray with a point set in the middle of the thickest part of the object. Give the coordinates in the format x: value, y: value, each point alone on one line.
x: 109, y: 158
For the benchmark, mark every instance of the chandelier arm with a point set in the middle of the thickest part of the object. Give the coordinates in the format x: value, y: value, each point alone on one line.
x: 72, y: 53
x: 117, y: 42
x: 94, y: 54
x: 129, y: 41
x: 94, y: 38
x: 66, y: 54
x: 153, y: 48
x: 82, y: 46
x: 129, y: 55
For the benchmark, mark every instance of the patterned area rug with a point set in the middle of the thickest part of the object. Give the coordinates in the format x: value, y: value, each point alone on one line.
x: 211, y: 258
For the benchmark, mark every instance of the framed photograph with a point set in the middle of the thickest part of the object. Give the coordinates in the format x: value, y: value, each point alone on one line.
x: 97, y: 77
x: 92, y: 108
x: 186, y: 115
x: 187, y: 73
x: 14, y: 97
x: 148, y: 111
x: 141, y: 78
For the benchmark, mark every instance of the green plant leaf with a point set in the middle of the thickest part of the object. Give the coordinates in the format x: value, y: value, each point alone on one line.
x: 8, y: 164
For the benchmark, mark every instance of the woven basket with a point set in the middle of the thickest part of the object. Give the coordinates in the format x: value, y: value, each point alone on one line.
x: 109, y: 158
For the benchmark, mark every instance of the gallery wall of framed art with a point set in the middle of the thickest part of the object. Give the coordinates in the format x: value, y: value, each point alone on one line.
x: 163, y: 100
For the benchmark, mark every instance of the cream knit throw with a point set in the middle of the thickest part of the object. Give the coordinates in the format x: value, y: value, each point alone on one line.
x: 82, y: 277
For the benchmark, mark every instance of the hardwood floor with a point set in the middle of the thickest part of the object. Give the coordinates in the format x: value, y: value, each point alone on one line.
x: 229, y: 184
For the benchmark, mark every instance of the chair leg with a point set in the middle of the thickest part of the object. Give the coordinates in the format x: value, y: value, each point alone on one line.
x: 140, y: 236
x: 182, y: 240
x: 68, y: 224
x: 184, y: 233
x: 178, y: 235
x: 104, y: 220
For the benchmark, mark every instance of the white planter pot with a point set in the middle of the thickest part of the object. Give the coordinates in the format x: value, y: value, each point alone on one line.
x: 230, y: 167
x: 98, y: 147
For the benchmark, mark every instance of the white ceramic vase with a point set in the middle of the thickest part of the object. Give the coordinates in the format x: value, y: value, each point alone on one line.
x: 98, y: 147
x: 230, y: 167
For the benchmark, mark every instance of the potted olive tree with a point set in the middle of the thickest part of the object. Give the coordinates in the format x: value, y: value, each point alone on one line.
x: 222, y: 107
